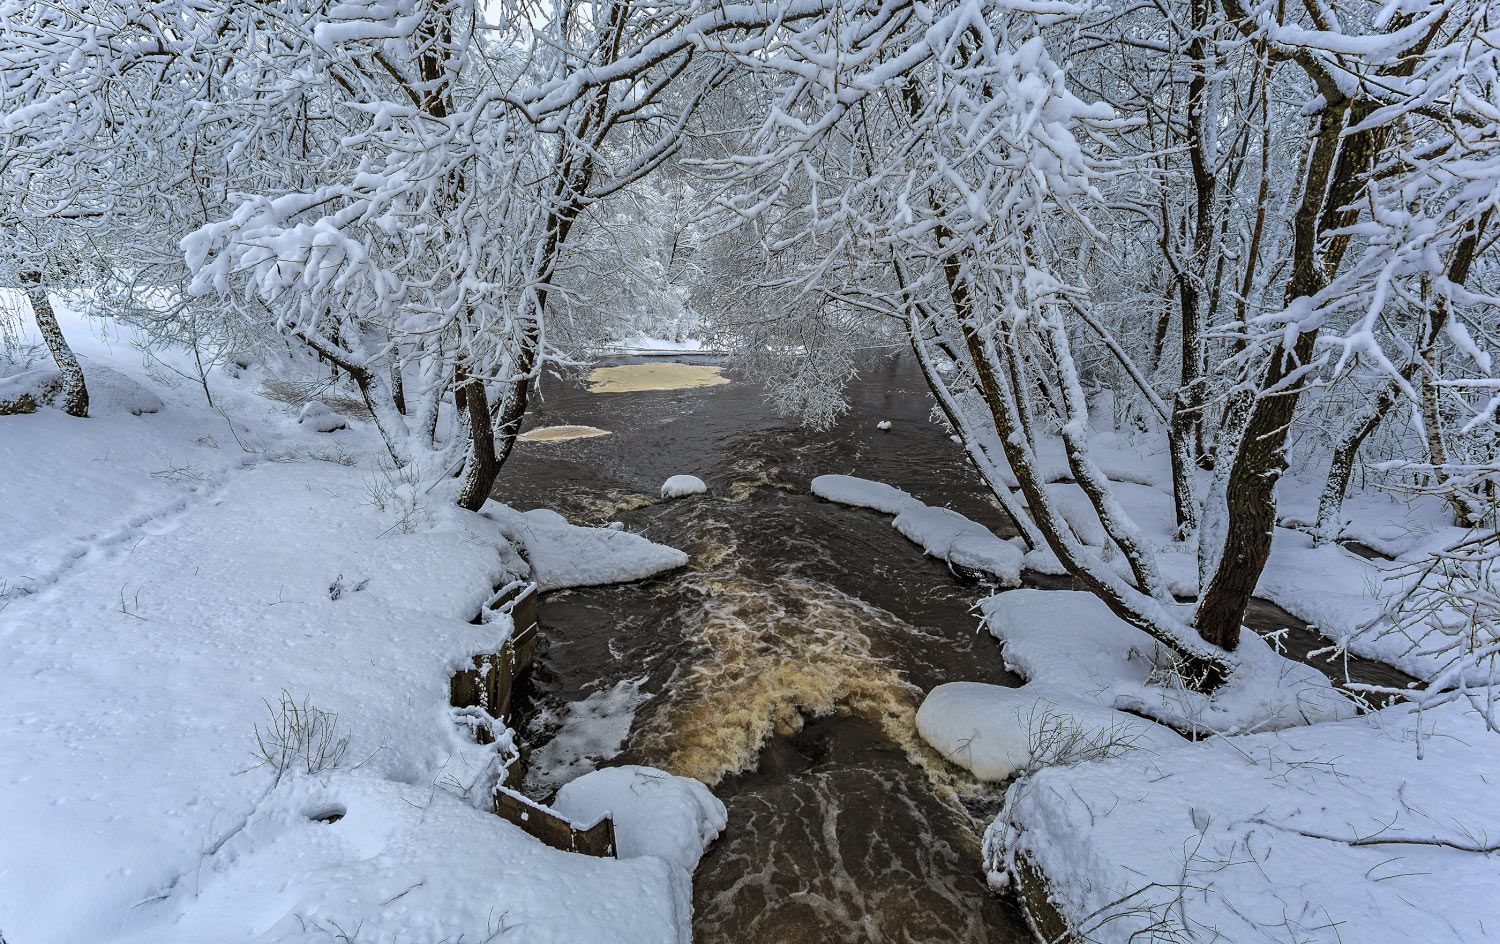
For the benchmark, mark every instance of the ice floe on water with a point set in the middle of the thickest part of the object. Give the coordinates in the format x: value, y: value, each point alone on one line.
x: 670, y: 375
x: 545, y: 434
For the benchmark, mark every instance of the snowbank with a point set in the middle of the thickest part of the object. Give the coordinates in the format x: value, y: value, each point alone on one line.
x: 680, y: 486
x: 863, y: 493
x: 996, y: 732
x: 176, y: 590
x: 567, y: 555
x: 655, y: 813
x: 1326, y: 833
x: 644, y: 346
x: 941, y: 532
x: 134, y: 689
x: 947, y: 535
x: 1069, y: 641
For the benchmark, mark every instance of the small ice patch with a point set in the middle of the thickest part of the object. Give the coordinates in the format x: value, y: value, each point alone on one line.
x: 544, y: 434
x: 679, y: 486
x: 594, y: 730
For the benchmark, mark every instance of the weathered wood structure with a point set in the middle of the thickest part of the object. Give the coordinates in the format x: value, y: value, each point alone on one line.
x: 488, y: 685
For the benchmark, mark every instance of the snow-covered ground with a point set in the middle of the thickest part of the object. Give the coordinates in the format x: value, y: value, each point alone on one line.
x: 1289, y: 819
x: 226, y: 640
x: 1338, y: 592
x: 1342, y: 832
x: 1096, y: 685
x: 642, y: 345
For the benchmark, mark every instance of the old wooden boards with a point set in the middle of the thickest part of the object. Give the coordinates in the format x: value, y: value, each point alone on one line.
x: 488, y: 685
x: 557, y: 832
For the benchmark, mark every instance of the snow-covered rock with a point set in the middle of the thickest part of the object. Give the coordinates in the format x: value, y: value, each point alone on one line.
x: 883, y: 425
x: 25, y: 391
x: 863, y: 493
x: 995, y: 732
x: 317, y: 416
x: 1325, y: 833
x: 947, y: 535
x: 680, y: 486
x: 568, y: 555
x: 655, y: 813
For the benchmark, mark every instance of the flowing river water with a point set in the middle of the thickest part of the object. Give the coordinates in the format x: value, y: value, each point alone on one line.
x: 784, y: 665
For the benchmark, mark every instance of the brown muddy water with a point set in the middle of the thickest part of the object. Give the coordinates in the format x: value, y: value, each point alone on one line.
x: 784, y: 665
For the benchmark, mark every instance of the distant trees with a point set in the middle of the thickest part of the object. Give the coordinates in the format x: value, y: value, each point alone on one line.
x: 1220, y: 207
x: 1243, y: 221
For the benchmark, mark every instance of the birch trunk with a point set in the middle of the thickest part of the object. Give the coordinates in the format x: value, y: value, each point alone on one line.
x: 75, y: 392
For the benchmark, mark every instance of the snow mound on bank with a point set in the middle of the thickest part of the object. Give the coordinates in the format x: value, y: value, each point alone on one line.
x: 317, y: 416
x: 1068, y: 640
x: 110, y: 391
x: 680, y: 486
x: 567, y: 555
x: 940, y: 532
x: 655, y: 813
x: 947, y: 535
x: 996, y: 732
x: 1326, y: 833
x: 863, y: 493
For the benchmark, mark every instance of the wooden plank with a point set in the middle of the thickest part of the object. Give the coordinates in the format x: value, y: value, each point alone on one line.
x: 492, y: 679
x: 1046, y: 922
x: 488, y: 685
x: 556, y: 831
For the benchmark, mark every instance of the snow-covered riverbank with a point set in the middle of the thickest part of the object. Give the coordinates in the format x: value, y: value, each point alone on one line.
x: 225, y: 649
x: 1287, y: 818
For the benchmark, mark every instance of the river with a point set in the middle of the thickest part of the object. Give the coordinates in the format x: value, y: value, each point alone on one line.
x: 784, y: 664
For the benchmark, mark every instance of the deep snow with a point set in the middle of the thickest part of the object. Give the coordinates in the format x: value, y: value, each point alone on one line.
x: 170, y: 579
x: 1326, y: 833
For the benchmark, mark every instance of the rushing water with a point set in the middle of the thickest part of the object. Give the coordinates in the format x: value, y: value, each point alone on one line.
x: 784, y: 664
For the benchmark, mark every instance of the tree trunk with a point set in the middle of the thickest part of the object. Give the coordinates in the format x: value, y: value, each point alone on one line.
x: 479, y: 474
x: 74, y: 391
x: 1334, y: 168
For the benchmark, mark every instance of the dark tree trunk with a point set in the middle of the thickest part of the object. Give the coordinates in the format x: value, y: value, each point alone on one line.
x: 480, y: 470
x: 1335, y: 170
